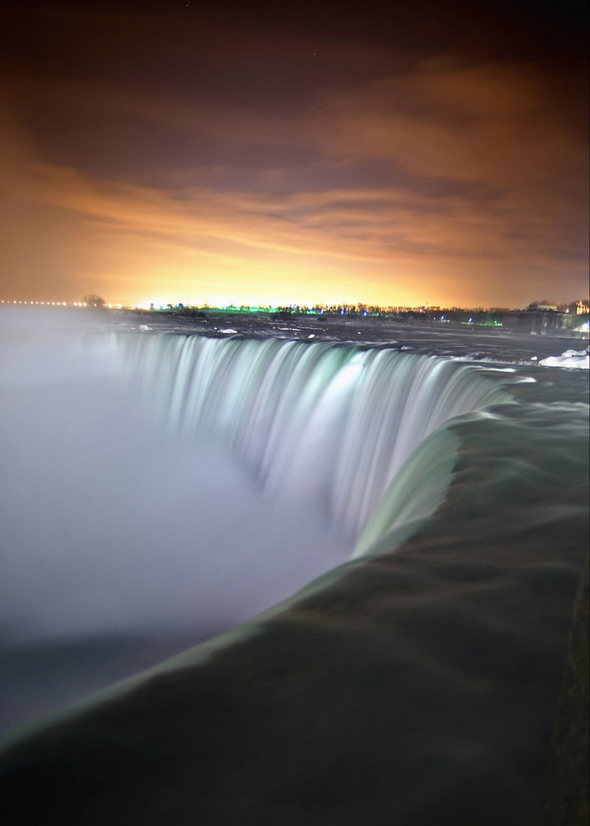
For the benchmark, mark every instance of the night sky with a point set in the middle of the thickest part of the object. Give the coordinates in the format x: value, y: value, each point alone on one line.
x: 288, y: 153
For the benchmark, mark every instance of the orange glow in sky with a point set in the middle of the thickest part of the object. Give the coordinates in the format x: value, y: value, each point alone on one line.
x: 215, y: 158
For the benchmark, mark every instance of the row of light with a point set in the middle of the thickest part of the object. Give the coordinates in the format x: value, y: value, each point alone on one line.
x: 52, y: 303
x: 59, y: 303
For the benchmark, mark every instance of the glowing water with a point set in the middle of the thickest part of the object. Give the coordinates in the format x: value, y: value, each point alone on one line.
x: 332, y: 421
x: 164, y: 485
x: 127, y: 510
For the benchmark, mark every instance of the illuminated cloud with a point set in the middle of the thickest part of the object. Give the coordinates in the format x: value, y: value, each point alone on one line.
x: 261, y: 163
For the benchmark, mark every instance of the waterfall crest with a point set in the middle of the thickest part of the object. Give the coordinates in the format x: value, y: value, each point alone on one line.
x: 336, y: 421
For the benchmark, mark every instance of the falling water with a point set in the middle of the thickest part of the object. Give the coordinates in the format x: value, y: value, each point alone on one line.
x: 335, y: 421
x: 166, y: 487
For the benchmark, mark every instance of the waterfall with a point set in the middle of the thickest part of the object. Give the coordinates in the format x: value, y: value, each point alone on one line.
x: 324, y: 419
x: 164, y: 489
x: 167, y: 488
x: 161, y: 480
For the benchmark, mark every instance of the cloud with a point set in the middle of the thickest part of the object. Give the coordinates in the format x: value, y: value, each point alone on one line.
x: 489, y: 124
x: 258, y: 162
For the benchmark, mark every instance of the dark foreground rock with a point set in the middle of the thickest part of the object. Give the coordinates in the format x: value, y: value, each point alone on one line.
x: 567, y: 776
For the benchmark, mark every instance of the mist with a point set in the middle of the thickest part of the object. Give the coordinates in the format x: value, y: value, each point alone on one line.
x: 117, y: 529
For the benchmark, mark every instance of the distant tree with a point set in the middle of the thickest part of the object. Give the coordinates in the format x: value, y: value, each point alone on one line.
x: 94, y: 300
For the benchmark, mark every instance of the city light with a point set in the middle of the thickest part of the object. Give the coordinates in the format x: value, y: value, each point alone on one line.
x: 535, y: 317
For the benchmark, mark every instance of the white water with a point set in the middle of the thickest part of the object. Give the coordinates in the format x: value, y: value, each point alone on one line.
x: 576, y: 359
x: 331, y: 422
